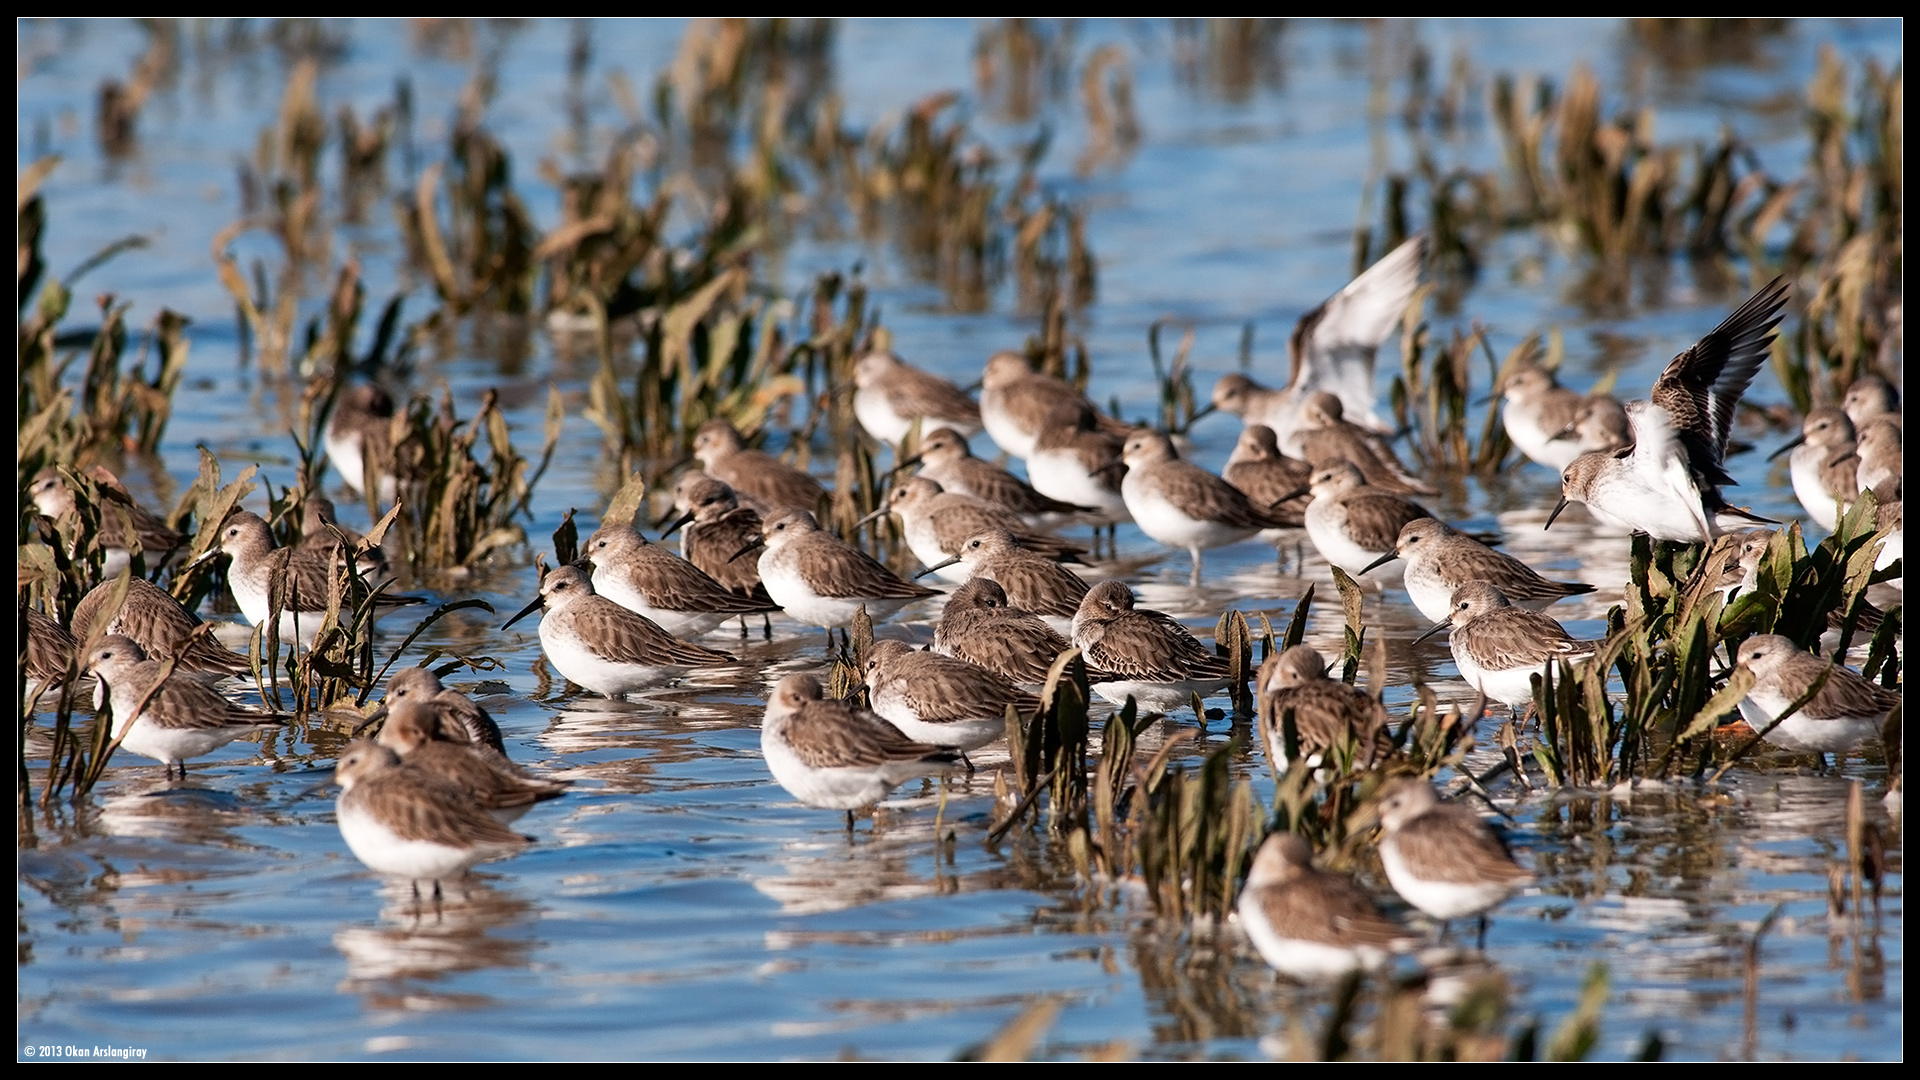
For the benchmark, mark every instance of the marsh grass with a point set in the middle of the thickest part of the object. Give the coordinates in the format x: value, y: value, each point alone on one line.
x: 1602, y: 183
x: 1662, y: 646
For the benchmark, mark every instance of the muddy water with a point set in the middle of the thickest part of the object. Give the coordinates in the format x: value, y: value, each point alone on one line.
x: 679, y: 903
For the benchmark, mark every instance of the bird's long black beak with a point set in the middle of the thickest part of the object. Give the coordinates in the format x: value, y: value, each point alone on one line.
x: 1436, y: 628
x: 936, y: 566
x: 372, y: 717
x: 672, y: 523
x: 526, y: 611
x: 736, y: 555
x: 1290, y: 496
x: 1787, y: 448
x: 1564, y: 502
x: 1381, y: 561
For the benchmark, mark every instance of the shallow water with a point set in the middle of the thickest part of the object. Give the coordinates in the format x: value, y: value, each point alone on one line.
x: 679, y: 903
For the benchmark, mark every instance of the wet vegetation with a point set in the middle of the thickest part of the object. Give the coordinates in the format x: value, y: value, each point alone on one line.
x: 653, y: 276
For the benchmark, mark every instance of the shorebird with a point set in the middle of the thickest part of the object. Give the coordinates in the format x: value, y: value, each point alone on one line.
x: 1269, y: 478
x: 1824, y: 465
x: 1599, y: 424
x: 1667, y: 484
x: 945, y: 459
x: 1032, y: 582
x: 451, y: 715
x: 1499, y: 648
x: 50, y: 652
x: 830, y: 756
x: 415, y: 730
x: 1074, y: 459
x: 125, y: 526
x: 1309, y: 924
x: 1016, y: 402
x: 1537, y: 410
x: 602, y: 646
x: 1325, y: 436
x: 1441, y: 858
x: 1333, y: 349
x: 890, y: 397
x: 1847, y: 711
x: 308, y: 580
x: 1181, y: 504
x: 941, y: 700
x: 1153, y: 659
x: 724, y: 455
x: 980, y: 626
x: 822, y: 581
x: 1328, y: 715
x: 359, y: 434
x: 173, y: 719
x: 159, y: 624
x: 1743, y: 575
x: 321, y: 534
x: 714, y: 525
x: 648, y: 579
x: 405, y: 822
x: 1878, y: 445
x: 1354, y: 524
x: 1870, y: 396
x: 1887, y: 518
x: 1440, y: 561
x: 936, y: 523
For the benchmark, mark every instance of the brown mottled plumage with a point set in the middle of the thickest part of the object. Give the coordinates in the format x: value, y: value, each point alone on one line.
x: 446, y: 714
x: 170, y: 719
x: 1031, y: 581
x: 1440, y: 857
x: 647, y: 578
x: 414, y: 730
x: 404, y: 821
x: 1700, y: 387
x: 162, y: 625
x: 822, y: 580
x: 124, y: 524
x: 1268, y: 477
x: 938, y: 522
x: 946, y: 459
x: 1139, y: 642
x: 1310, y: 924
x: 1327, y: 713
x: 50, y: 649
x: 941, y: 700
x: 1327, y: 436
x: 828, y: 755
x: 716, y: 526
x: 1016, y: 403
x: 979, y: 626
x: 724, y: 455
x: 890, y: 396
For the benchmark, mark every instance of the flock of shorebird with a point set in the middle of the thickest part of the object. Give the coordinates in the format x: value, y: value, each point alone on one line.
x: 432, y: 796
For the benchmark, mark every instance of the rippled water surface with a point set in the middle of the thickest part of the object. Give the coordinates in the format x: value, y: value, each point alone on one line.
x: 679, y: 903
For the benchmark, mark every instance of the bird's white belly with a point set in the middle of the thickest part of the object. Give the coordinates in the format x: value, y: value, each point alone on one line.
x: 1440, y: 899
